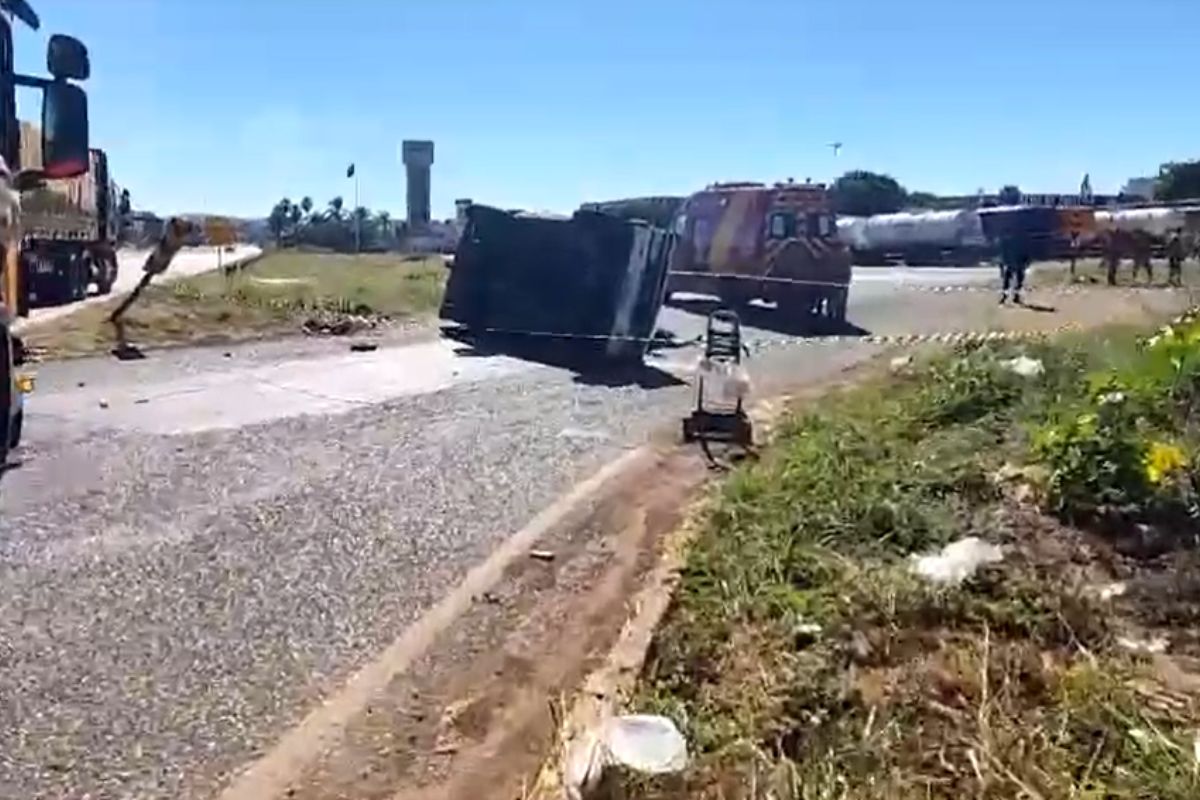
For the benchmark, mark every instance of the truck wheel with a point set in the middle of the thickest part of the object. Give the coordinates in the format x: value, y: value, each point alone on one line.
x: 83, y: 278
x: 14, y: 432
x: 106, y: 275
x: 6, y: 386
x: 837, y: 305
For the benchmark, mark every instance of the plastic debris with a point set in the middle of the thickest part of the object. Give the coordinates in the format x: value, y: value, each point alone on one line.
x: 1113, y: 590
x: 1154, y: 645
x: 957, y: 561
x: 644, y: 743
x: 900, y: 362
x: 542, y: 555
x: 1025, y: 367
x: 1112, y: 398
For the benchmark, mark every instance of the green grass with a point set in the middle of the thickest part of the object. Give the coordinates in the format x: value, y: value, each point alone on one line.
x: 275, y: 295
x: 379, y: 285
x: 804, y: 660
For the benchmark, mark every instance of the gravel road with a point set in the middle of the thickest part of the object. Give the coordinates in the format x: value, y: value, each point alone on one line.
x: 196, y: 548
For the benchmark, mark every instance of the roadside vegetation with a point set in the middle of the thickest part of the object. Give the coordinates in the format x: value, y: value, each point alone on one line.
x: 804, y: 657
x: 283, y: 292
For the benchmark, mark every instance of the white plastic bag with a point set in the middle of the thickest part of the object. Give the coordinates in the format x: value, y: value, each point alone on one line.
x: 957, y: 561
x: 641, y: 742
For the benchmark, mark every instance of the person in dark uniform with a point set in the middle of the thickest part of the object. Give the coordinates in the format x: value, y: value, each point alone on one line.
x: 1112, y: 256
x: 1175, y: 254
x: 1014, y: 260
x: 1143, y: 251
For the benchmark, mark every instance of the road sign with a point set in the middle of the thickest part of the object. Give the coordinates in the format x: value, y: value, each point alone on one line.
x: 219, y: 231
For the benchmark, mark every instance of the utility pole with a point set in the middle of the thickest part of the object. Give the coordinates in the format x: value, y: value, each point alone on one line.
x: 352, y: 172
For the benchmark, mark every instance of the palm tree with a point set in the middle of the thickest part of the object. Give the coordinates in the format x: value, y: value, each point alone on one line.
x: 306, y: 206
x: 278, y: 219
x: 335, y: 208
x: 383, y: 228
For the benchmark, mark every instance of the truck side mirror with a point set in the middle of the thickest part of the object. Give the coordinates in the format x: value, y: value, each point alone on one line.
x: 64, y: 130
x: 67, y: 57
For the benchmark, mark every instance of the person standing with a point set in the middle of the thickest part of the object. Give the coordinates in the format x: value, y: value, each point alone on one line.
x: 1112, y: 256
x: 1175, y: 254
x: 1143, y: 250
x: 1074, y: 252
x: 1014, y: 260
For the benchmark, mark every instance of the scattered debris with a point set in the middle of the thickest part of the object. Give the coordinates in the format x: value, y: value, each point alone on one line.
x: 807, y: 629
x: 282, y: 281
x: 1112, y: 590
x: 542, y: 555
x: 141, y: 401
x: 128, y: 352
x: 582, y: 433
x: 901, y: 362
x: 1112, y: 398
x: 363, y: 347
x: 957, y: 561
x: 1025, y: 367
x: 103, y: 404
x: 644, y: 743
x: 326, y: 324
x: 1156, y: 644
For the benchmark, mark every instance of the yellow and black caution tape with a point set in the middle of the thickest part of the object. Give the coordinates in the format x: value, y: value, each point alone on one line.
x: 941, y: 337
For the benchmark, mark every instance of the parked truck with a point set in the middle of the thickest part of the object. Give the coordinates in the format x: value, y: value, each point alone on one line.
x: 64, y: 149
x: 747, y: 241
x: 72, y: 227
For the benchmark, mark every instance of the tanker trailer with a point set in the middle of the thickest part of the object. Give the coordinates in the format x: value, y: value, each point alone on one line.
x: 919, y: 238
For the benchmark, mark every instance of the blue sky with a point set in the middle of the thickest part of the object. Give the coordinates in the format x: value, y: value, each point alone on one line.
x: 228, y: 105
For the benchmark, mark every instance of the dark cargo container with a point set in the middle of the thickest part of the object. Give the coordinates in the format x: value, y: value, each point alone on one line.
x: 1039, y: 228
x: 593, y: 282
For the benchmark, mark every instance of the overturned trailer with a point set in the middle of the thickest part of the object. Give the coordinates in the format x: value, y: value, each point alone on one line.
x: 591, y: 284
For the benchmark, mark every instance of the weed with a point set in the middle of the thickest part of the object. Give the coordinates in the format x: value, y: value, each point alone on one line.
x: 805, y: 660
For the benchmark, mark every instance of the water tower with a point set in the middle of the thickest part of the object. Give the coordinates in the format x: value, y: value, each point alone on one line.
x: 418, y: 158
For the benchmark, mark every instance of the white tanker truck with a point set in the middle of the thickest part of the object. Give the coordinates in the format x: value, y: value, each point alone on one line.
x: 923, y: 237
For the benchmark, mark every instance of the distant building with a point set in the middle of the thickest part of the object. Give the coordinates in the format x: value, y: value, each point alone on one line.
x: 418, y: 163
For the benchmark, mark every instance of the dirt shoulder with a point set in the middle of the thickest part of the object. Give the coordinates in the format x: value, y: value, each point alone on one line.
x: 286, y: 292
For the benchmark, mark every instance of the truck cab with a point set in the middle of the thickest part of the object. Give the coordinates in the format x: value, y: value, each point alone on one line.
x: 747, y: 241
x: 64, y: 147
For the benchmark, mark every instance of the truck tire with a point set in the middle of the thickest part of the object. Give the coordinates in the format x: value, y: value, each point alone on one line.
x: 106, y: 275
x: 6, y: 387
x: 14, y: 431
x: 81, y: 278
x: 837, y: 305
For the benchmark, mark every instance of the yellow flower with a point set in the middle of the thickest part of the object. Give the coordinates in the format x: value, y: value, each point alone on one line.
x: 1161, y: 460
